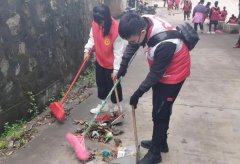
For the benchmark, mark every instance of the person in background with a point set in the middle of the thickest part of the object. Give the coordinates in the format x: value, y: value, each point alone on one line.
x: 237, y: 45
x: 164, y: 4
x: 187, y: 7
x: 170, y: 6
x: 232, y: 20
x: 208, y: 11
x: 109, y: 49
x: 198, y: 15
x: 177, y: 2
x: 214, y: 17
x: 223, y: 14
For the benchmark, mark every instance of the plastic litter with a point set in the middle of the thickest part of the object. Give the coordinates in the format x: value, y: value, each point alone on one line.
x: 105, y: 153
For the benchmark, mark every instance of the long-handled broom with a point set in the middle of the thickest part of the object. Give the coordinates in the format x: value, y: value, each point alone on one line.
x: 81, y: 151
x: 135, y: 135
x: 120, y: 110
x: 78, y: 142
x: 57, y: 107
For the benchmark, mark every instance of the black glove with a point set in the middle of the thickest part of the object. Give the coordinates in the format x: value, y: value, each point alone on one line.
x: 122, y: 71
x: 135, y: 97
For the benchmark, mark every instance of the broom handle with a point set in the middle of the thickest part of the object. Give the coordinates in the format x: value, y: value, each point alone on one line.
x: 105, y: 101
x: 117, y: 98
x: 135, y: 132
x: 76, y: 77
x: 102, y: 106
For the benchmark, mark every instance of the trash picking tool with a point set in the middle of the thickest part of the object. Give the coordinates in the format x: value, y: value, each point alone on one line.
x: 131, y: 159
x: 117, y: 98
x: 120, y: 118
x: 82, y: 150
x: 57, y: 107
x: 135, y: 135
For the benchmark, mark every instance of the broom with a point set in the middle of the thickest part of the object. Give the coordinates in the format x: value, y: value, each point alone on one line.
x: 57, y: 107
x: 78, y: 143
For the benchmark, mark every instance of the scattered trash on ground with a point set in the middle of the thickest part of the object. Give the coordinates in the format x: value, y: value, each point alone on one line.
x: 101, y: 130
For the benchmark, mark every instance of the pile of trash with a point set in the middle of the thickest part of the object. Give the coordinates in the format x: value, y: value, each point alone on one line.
x: 104, y: 127
x: 108, y: 155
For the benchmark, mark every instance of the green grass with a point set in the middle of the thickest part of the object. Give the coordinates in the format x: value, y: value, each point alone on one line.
x: 3, y: 144
x: 16, y: 131
x: 12, y: 132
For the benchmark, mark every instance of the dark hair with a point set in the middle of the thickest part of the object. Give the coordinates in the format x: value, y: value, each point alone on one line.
x: 208, y: 3
x: 101, y: 14
x: 131, y: 24
x: 201, y: 2
x: 216, y: 2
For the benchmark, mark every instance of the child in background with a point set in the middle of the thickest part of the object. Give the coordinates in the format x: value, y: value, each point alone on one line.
x: 177, y: 2
x: 170, y: 6
x: 223, y: 14
x: 214, y: 17
x: 187, y: 9
x: 232, y: 20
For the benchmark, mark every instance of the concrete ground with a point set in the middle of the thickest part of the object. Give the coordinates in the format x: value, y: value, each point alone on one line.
x: 205, y: 124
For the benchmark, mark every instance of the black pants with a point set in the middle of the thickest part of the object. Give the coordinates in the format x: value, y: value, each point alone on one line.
x: 165, y: 1
x: 196, y: 26
x: 215, y: 23
x: 105, y: 83
x: 164, y: 96
x: 186, y: 14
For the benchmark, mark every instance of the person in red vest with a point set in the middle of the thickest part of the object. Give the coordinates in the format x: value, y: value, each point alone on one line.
x: 109, y: 49
x: 177, y: 2
x: 232, y: 20
x: 170, y: 6
x: 169, y: 62
x: 214, y: 17
x: 223, y: 14
x: 187, y: 7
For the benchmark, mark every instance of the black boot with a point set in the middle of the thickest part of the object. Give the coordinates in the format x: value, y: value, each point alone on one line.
x: 152, y: 157
x: 148, y: 143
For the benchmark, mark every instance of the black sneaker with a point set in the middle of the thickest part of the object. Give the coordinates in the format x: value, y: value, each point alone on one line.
x: 148, y: 143
x: 151, y: 158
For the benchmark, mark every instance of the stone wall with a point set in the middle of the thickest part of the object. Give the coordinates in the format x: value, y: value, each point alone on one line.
x: 41, y: 48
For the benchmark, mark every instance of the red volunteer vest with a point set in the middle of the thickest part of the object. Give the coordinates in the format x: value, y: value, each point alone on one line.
x: 187, y: 7
x: 179, y: 69
x: 215, y: 14
x: 224, y: 13
x: 104, y: 44
x: 233, y: 21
